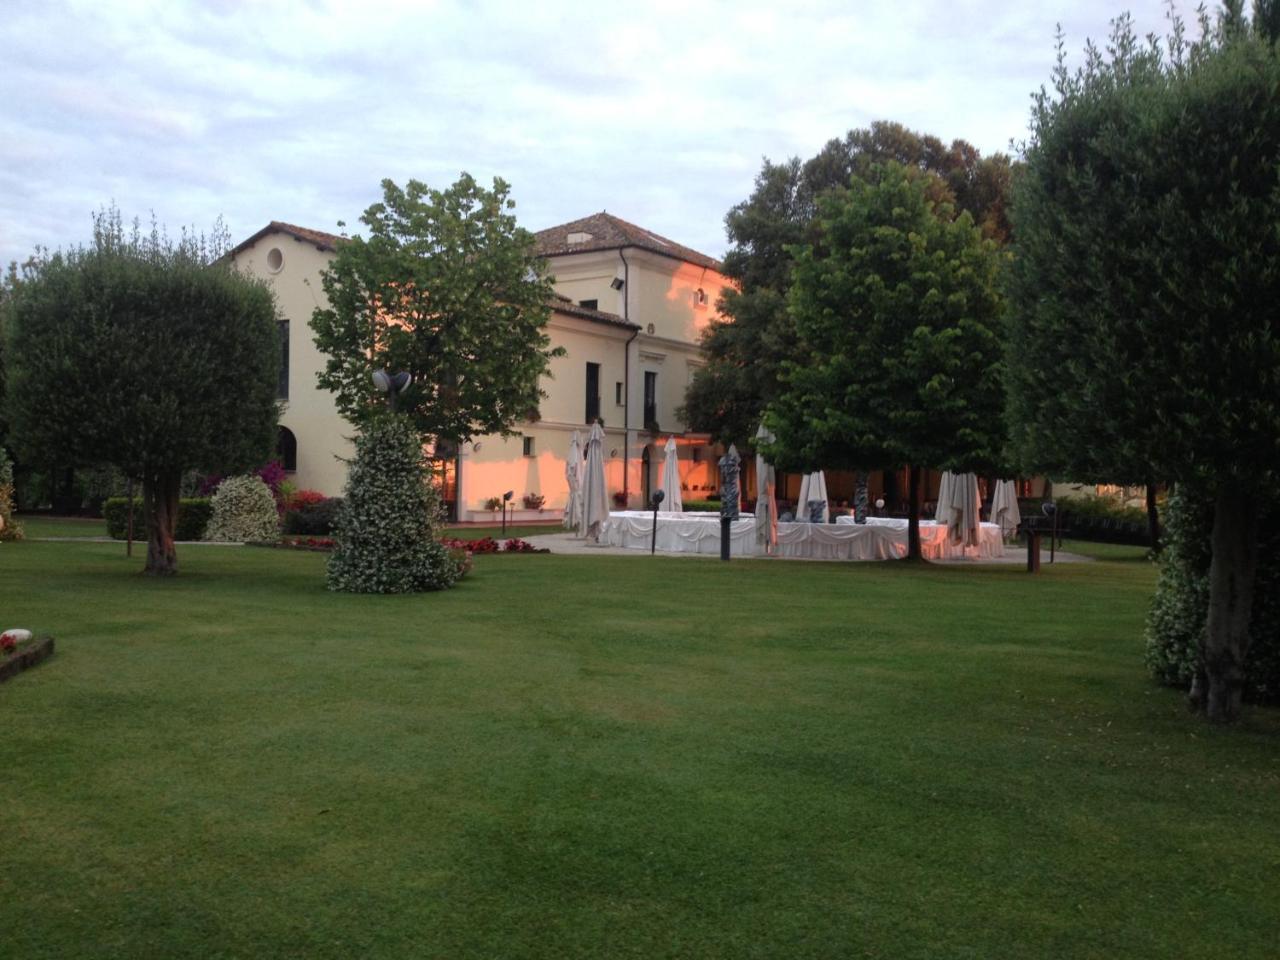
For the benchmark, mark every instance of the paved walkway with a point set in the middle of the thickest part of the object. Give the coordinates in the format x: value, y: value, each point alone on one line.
x: 566, y: 543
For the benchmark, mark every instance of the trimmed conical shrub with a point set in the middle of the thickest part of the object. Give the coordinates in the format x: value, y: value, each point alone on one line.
x: 387, y: 529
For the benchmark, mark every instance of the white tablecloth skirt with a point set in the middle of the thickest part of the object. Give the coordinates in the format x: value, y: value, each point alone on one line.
x: 883, y: 540
x: 933, y: 538
x: 678, y: 532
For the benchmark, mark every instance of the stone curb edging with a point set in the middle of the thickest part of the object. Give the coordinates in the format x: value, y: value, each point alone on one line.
x: 38, y: 652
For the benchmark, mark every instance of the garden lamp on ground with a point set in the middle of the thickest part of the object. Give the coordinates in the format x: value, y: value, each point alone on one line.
x: 658, y: 497
x: 506, y: 498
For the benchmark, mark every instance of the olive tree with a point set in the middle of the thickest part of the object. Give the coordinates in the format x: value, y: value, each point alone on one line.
x: 139, y: 352
x: 1143, y: 335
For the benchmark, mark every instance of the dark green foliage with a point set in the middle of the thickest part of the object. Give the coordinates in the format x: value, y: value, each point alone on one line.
x: 1176, y: 624
x: 746, y: 352
x: 700, y: 506
x: 1147, y: 269
x: 313, y: 520
x: 388, y: 526
x: 136, y: 352
x: 193, y: 517
x: 140, y: 353
x: 448, y: 288
x: 1103, y: 519
x: 896, y: 310
x: 1143, y: 339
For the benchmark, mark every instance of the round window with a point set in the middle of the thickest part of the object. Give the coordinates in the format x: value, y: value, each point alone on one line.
x: 275, y: 260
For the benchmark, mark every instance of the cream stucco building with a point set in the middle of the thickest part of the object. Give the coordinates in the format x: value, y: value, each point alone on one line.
x: 630, y: 310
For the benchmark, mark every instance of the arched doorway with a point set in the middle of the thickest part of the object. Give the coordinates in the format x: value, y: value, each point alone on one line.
x: 287, y: 449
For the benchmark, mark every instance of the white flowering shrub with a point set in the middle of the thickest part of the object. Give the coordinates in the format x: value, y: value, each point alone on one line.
x: 387, y: 529
x: 243, y: 509
x: 10, y: 529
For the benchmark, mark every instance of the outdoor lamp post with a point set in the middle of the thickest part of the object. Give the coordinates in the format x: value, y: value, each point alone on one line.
x: 392, y: 384
x: 728, y: 496
x: 1051, y: 511
x: 658, y: 497
x: 506, y: 498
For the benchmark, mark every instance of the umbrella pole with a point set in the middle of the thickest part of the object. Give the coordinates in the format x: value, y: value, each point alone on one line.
x: 653, y: 541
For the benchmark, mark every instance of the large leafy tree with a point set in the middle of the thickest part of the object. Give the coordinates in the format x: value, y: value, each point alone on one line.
x: 448, y: 288
x: 896, y: 310
x: 142, y: 353
x: 1147, y: 272
x: 745, y: 352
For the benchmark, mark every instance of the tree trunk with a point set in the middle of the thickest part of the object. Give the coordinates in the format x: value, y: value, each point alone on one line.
x: 1231, y: 580
x: 913, y: 514
x: 1153, y: 517
x: 160, y: 500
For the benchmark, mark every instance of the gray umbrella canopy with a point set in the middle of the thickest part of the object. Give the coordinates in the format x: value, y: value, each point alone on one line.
x: 1004, y: 507
x: 573, y: 476
x: 595, y: 507
x: 966, y: 510
x: 672, y: 502
x: 766, y: 495
x: 943, y: 512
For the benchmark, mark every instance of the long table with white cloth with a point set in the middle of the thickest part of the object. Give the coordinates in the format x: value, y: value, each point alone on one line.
x: 880, y: 538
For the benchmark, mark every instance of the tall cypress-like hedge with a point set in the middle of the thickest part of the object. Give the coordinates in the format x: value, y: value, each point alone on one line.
x: 1176, y: 624
x: 388, y: 526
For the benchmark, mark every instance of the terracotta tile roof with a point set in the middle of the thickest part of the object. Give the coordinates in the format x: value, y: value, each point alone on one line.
x: 604, y: 231
x: 321, y: 240
x: 562, y: 304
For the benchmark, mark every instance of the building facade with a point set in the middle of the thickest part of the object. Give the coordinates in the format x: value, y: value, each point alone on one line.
x: 629, y: 314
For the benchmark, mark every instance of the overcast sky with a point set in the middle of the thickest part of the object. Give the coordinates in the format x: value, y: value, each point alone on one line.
x: 658, y: 112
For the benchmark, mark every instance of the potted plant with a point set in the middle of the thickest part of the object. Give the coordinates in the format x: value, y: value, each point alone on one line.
x: 493, y: 505
x: 534, y: 501
x: 620, y: 500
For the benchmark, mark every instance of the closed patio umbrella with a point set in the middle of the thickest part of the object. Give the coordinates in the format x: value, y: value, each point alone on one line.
x: 573, y: 476
x: 595, y: 506
x: 672, y: 502
x: 1004, y: 507
x: 966, y: 510
x: 942, y: 514
x: 766, y: 496
x: 813, y: 487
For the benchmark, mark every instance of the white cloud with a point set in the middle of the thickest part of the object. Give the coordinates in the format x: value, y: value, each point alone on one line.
x: 296, y: 110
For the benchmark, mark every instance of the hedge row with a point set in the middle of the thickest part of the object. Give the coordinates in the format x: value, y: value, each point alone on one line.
x: 1103, y: 519
x: 1181, y: 605
x: 193, y: 517
x: 313, y: 519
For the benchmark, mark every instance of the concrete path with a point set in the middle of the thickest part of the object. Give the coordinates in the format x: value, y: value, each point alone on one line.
x: 567, y: 544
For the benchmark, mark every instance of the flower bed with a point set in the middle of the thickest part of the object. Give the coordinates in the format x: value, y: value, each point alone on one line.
x: 19, y: 650
x: 490, y: 545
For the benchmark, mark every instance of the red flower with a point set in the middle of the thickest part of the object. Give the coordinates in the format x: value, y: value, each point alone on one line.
x: 8, y: 643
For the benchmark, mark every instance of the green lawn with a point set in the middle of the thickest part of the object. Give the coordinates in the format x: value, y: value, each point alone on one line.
x: 513, y: 530
x: 617, y: 757
x: 45, y: 526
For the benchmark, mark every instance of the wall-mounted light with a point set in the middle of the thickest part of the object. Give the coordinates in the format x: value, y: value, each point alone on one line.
x: 613, y: 452
x: 616, y: 283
